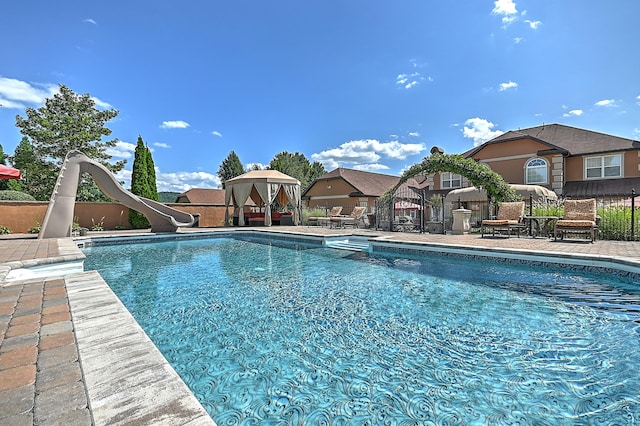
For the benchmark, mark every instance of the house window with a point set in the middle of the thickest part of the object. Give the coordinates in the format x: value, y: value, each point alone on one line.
x: 536, y: 171
x: 449, y: 180
x: 603, y: 167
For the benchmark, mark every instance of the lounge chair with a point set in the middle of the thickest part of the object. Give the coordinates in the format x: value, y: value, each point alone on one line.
x: 319, y: 220
x: 510, y: 217
x: 353, y: 219
x: 580, y: 216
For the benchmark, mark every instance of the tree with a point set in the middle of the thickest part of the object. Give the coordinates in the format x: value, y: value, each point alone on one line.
x: 66, y: 122
x: 143, y: 182
x: 297, y: 166
x: 3, y: 183
x: 25, y: 160
x: 230, y: 168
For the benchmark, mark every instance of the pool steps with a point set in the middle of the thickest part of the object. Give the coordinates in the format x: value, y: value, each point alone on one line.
x: 349, y: 244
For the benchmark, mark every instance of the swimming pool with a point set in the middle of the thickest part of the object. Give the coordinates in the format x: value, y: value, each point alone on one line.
x: 269, y: 332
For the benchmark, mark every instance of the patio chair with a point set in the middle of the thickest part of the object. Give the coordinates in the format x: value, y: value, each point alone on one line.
x: 353, y: 219
x: 579, y: 217
x: 318, y: 220
x: 510, y: 217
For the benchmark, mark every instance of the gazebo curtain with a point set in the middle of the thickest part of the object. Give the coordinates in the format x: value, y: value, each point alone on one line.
x: 240, y: 195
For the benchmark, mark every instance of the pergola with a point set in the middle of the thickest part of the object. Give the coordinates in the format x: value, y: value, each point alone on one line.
x: 264, y: 187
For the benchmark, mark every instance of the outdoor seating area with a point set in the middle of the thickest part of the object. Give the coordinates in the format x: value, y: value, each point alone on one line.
x: 580, y: 217
x: 324, y: 220
x: 354, y: 219
x: 510, y: 218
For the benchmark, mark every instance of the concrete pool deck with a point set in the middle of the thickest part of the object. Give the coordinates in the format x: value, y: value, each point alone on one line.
x: 71, y: 353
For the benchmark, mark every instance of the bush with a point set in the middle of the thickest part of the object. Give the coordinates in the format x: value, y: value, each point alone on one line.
x: 307, y: 213
x: 35, y: 229
x: 15, y: 196
x: 4, y: 230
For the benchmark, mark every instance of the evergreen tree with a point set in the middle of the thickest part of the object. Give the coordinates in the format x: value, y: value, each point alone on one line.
x: 3, y: 183
x: 67, y: 121
x: 139, y: 183
x: 230, y: 168
x: 151, y: 175
x: 25, y: 160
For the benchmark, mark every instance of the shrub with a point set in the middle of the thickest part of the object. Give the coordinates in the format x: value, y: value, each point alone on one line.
x: 307, y: 213
x: 4, y: 230
x: 97, y: 226
x: 10, y: 195
x: 35, y: 229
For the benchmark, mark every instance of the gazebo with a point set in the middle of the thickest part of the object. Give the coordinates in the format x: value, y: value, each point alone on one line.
x: 264, y: 187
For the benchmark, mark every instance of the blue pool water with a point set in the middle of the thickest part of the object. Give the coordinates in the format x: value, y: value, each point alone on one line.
x: 276, y: 334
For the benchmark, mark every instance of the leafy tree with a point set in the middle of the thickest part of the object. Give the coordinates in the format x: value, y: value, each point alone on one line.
x: 67, y: 121
x: 296, y: 165
x: 143, y: 182
x: 230, y: 168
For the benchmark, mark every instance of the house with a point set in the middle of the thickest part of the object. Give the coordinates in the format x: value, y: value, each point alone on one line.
x: 202, y: 196
x: 572, y: 162
x: 349, y: 188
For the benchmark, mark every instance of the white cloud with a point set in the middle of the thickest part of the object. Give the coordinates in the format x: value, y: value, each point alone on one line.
x: 636, y: 133
x: 90, y: 21
x: 101, y: 103
x: 507, y: 86
x: 504, y: 7
x: 183, y: 181
x: 179, y: 124
x: 176, y: 182
x: 365, y: 153
x: 18, y: 94
x: 409, y: 80
x: 606, y: 103
x: 122, y: 150
x: 216, y: 133
x: 533, y: 24
x: 573, y: 113
x: 638, y: 98
x: 507, y: 9
x: 518, y: 40
x: 161, y: 145
x: 371, y: 167
x: 480, y: 130
x: 414, y: 134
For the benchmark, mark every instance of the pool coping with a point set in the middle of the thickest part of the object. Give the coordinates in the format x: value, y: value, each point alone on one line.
x: 125, y: 375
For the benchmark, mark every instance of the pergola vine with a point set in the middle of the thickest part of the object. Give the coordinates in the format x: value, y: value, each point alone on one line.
x: 478, y: 174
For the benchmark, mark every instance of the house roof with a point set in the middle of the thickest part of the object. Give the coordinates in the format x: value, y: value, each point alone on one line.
x: 203, y: 196
x: 366, y: 184
x: 565, y: 139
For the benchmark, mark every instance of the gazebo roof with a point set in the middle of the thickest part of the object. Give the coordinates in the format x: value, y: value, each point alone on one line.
x: 268, y: 176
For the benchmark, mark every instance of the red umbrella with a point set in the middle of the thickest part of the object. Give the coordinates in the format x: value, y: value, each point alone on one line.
x: 8, y: 173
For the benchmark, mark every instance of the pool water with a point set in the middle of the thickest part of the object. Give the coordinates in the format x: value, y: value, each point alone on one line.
x: 276, y: 334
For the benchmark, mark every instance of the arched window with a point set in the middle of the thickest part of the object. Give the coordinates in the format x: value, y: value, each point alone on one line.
x: 536, y: 171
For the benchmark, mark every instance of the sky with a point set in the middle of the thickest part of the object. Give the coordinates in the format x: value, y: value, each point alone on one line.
x: 361, y: 84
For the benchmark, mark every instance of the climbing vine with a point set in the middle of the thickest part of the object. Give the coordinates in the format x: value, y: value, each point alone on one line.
x: 478, y: 174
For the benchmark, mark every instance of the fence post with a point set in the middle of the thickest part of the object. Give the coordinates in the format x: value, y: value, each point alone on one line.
x: 633, y: 216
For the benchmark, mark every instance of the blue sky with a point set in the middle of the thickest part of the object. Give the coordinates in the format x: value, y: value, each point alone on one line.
x: 362, y: 84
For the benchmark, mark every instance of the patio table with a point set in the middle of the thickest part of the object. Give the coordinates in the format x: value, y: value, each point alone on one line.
x: 540, y: 225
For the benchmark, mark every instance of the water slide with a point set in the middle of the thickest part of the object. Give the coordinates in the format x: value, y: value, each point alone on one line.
x: 58, y: 220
